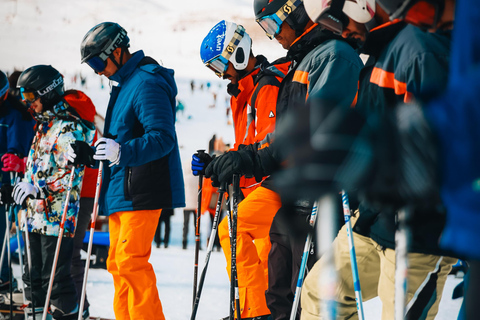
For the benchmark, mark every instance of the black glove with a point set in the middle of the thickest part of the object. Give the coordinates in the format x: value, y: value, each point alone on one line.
x: 200, y: 161
x: 224, y: 167
x: 6, y: 194
x: 81, y: 153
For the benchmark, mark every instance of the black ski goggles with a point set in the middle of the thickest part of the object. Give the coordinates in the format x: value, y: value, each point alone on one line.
x: 97, y: 64
x: 333, y: 18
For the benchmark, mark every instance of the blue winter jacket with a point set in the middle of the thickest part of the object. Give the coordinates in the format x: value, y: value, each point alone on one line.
x: 141, y: 116
x: 455, y: 117
x: 16, y: 133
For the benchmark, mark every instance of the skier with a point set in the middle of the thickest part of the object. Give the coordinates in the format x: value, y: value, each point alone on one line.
x: 44, y: 187
x: 15, y: 141
x: 397, y: 71
x: 323, y: 65
x: 81, y: 102
x: 144, y: 173
x: 253, y: 87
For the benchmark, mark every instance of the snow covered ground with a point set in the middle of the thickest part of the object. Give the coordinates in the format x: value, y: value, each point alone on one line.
x: 50, y: 31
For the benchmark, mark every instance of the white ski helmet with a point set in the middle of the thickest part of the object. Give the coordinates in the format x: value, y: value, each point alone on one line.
x: 331, y: 13
x: 225, y: 42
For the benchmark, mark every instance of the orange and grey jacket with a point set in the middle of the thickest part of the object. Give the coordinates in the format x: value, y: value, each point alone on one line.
x: 254, y: 107
x: 322, y: 66
x: 405, y: 63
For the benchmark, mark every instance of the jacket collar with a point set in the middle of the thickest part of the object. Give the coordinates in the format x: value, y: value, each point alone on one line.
x: 128, y: 68
x: 380, y: 36
x: 310, y: 39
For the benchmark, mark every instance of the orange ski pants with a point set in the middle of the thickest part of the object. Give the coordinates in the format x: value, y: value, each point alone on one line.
x: 131, y: 236
x: 255, y: 216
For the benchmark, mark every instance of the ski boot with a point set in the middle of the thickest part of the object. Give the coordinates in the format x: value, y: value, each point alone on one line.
x: 59, y: 314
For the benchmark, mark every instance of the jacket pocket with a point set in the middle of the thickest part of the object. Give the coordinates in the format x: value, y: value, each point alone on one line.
x: 127, y: 184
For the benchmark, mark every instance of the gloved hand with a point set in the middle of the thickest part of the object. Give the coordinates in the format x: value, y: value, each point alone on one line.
x: 224, y: 167
x: 80, y: 153
x: 107, y: 149
x: 200, y: 161
x: 6, y: 194
x: 23, y: 190
x: 12, y: 162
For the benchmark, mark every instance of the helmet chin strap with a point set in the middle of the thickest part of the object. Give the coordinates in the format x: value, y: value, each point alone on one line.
x: 112, y: 57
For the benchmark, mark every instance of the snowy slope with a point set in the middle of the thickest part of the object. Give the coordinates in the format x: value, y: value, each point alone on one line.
x: 50, y: 31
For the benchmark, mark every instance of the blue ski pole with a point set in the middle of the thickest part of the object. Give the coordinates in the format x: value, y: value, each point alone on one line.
x: 353, y: 257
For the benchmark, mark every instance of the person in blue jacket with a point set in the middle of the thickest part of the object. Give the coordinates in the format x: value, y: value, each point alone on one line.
x: 144, y: 173
x: 16, y: 134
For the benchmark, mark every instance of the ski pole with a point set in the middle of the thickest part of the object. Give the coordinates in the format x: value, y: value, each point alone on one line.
x: 234, y: 278
x: 90, y: 240
x: 211, y: 241
x: 232, y: 282
x: 29, y: 258
x: 327, y: 210
x: 59, y: 243
x: 10, y: 275
x: 353, y: 257
x: 402, y: 240
x: 198, y: 214
x: 303, y: 265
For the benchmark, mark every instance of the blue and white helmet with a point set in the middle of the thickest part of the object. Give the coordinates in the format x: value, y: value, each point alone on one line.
x: 225, y: 36
x: 4, y: 85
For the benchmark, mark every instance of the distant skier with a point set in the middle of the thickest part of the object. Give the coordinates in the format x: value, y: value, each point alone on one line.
x: 144, y: 173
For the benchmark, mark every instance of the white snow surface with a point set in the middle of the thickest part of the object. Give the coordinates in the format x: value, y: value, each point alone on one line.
x: 50, y: 31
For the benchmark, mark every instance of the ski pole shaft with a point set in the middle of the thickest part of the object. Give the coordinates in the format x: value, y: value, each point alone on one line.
x: 327, y: 211
x: 198, y: 214
x: 90, y: 240
x: 353, y: 258
x: 232, y: 281
x: 29, y: 259
x: 211, y: 241
x: 236, y: 196
x: 9, y: 225
x: 402, y: 236
x: 303, y: 265
x: 59, y: 243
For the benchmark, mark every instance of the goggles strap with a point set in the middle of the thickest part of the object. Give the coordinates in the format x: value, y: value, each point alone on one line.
x: 232, y: 45
x: 288, y: 8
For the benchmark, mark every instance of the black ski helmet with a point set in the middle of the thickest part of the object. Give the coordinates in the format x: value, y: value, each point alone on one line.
x: 102, y: 40
x: 43, y: 82
x: 297, y: 19
x: 3, y: 84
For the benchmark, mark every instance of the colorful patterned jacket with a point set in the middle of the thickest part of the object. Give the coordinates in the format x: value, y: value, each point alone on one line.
x: 47, y: 169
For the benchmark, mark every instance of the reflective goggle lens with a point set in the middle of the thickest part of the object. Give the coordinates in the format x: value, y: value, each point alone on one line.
x: 27, y: 95
x: 218, y: 65
x: 423, y: 14
x: 97, y: 64
x: 270, y: 24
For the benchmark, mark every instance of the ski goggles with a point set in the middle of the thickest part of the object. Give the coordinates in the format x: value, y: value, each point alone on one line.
x: 219, y: 64
x: 423, y: 14
x: 29, y: 96
x: 271, y: 23
x: 97, y: 63
x: 333, y: 18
